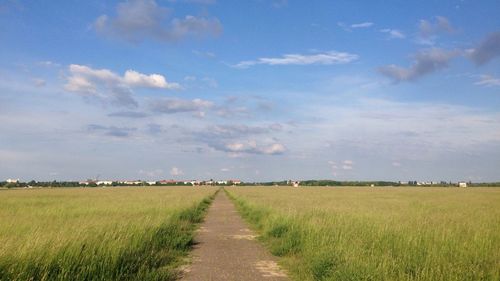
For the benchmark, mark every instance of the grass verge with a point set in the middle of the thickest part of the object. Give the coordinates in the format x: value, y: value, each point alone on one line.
x: 148, y: 254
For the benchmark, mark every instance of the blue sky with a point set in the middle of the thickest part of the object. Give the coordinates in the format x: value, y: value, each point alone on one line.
x: 256, y: 90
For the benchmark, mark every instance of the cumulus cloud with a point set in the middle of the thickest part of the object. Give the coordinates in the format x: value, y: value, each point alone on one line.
x: 488, y: 81
x: 425, y: 62
x: 175, y: 105
x: 107, y: 86
x: 137, y: 20
x: 136, y: 79
x: 327, y: 58
x: 393, y: 33
x: 487, y: 50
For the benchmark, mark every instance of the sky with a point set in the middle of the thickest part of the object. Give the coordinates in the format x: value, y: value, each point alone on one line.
x: 256, y: 90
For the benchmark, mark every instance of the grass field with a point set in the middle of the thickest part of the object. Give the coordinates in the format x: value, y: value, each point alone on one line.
x: 378, y: 233
x: 97, y: 234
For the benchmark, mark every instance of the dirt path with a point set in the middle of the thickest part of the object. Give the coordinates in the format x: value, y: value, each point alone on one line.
x: 227, y: 249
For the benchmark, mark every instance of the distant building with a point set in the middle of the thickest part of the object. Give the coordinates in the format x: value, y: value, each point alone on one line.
x: 136, y: 182
x: 221, y: 182
x: 168, y: 182
x: 12, y: 180
x: 295, y: 183
x: 104, y: 182
x: 234, y: 181
x: 462, y: 184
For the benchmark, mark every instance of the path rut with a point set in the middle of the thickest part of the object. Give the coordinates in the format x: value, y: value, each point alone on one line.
x: 226, y: 249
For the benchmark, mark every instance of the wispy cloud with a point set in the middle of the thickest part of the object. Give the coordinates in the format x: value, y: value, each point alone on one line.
x: 350, y: 27
x: 176, y: 105
x: 488, y: 81
x: 425, y: 62
x: 250, y: 147
x: 111, y: 130
x: 128, y: 114
x: 39, y: 82
x: 362, y: 25
x: 137, y: 20
x: 279, y: 3
x: 327, y: 58
x: 393, y: 33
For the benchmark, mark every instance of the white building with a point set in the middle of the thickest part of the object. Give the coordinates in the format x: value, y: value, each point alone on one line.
x: 462, y: 184
x: 104, y: 182
x: 12, y: 180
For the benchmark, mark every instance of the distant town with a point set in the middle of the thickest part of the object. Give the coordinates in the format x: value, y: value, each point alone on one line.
x: 17, y: 183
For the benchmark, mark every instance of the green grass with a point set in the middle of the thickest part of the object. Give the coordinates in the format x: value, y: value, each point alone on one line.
x: 98, y: 234
x: 378, y: 233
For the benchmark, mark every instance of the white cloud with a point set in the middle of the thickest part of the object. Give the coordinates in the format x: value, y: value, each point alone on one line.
x: 488, y: 80
x: 108, y: 86
x: 136, y: 79
x: 48, y: 63
x: 393, y: 33
x: 327, y: 58
x: 176, y: 172
x: 362, y: 25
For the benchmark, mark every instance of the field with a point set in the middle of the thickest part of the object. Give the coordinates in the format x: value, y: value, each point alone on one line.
x: 97, y: 234
x: 378, y: 233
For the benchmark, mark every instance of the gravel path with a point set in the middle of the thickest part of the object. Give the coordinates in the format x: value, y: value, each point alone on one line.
x: 226, y: 249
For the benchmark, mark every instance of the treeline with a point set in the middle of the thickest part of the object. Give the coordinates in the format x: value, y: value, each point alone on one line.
x: 41, y: 184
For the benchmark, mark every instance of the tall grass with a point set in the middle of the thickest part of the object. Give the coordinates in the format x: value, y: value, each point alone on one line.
x: 97, y: 234
x: 378, y: 233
